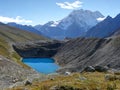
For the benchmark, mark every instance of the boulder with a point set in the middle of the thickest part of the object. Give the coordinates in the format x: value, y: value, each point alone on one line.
x: 101, y: 68
x: 28, y: 83
x: 67, y: 73
x: 89, y: 69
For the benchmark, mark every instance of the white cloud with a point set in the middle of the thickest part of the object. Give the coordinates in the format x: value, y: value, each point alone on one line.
x: 18, y: 19
x: 68, y: 5
x: 100, y: 19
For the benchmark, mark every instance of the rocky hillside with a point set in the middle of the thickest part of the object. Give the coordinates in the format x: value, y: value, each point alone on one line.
x: 76, y: 54
x: 17, y: 35
x: 10, y: 35
x: 12, y: 72
x: 79, y: 53
x: 11, y: 68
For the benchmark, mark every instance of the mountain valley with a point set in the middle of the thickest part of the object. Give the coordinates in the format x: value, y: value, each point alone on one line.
x: 84, y: 42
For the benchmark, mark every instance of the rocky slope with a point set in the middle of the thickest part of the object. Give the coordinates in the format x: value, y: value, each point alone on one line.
x: 10, y: 65
x: 75, y: 55
x: 17, y: 35
x: 90, y: 52
x: 11, y: 72
x: 10, y: 35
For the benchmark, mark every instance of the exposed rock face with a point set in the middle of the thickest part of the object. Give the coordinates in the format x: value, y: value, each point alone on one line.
x: 80, y: 53
x: 76, y: 54
x: 38, y: 49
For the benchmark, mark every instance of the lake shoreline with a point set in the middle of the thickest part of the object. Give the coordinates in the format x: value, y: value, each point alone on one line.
x: 42, y: 65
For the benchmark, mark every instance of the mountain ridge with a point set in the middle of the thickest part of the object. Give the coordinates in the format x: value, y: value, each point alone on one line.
x: 105, y: 28
x: 25, y: 27
x: 82, y: 19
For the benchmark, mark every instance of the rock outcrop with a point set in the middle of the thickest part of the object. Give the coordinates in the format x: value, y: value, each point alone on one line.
x: 37, y: 49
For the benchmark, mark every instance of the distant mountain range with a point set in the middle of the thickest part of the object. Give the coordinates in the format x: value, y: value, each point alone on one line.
x: 79, y: 23
x: 25, y: 27
x: 76, y: 24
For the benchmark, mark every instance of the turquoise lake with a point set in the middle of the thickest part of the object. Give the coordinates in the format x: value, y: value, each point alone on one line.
x: 42, y: 65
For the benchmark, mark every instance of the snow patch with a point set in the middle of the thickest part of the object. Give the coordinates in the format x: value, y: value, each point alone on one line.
x: 55, y: 23
x: 100, y: 19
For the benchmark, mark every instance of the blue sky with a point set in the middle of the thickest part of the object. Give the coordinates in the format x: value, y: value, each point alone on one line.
x: 41, y: 11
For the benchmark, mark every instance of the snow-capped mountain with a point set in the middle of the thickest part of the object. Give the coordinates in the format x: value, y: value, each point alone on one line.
x: 25, y: 27
x: 52, y: 31
x: 76, y: 24
x: 82, y: 18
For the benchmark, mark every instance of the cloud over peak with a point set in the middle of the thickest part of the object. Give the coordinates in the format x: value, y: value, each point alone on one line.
x: 68, y: 5
x: 18, y: 19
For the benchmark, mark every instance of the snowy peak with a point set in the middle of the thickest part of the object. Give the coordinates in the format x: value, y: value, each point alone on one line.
x: 76, y: 24
x: 54, y: 23
x: 82, y: 18
x: 65, y: 23
x: 98, y: 14
x: 86, y: 12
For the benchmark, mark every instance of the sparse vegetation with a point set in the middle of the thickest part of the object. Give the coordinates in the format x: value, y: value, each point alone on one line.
x: 93, y: 81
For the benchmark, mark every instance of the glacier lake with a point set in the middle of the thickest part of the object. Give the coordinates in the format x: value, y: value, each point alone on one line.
x: 42, y: 65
